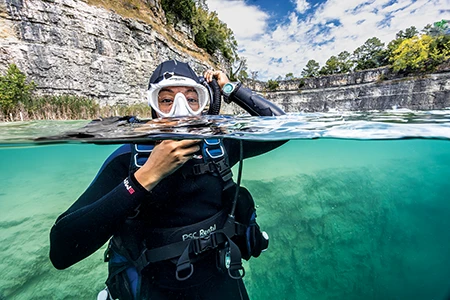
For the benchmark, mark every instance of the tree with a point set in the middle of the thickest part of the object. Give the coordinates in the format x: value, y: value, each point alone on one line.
x: 370, y: 55
x: 399, y: 38
x: 238, y: 70
x: 331, y: 66
x: 437, y: 29
x: 440, y: 49
x: 413, y: 55
x: 289, y: 76
x: 408, y: 33
x: 213, y: 35
x: 311, y: 69
x: 14, y: 89
x: 209, y: 32
x: 345, y: 62
x: 179, y: 10
x: 272, y: 84
x: 254, y: 75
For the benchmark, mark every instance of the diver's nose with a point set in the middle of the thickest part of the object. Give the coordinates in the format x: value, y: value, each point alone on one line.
x: 181, y: 106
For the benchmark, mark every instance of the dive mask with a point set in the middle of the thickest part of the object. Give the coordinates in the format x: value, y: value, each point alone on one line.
x: 180, y: 106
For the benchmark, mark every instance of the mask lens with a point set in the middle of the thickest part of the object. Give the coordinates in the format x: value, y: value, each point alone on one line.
x: 180, y: 101
x: 178, y: 96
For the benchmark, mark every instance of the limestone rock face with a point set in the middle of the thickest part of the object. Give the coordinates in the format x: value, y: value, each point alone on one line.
x: 69, y: 47
x: 375, y: 89
x: 425, y: 93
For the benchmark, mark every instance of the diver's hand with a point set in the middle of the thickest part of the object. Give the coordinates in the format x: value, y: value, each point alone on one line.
x: 166, y: 158
x: 220, y: 76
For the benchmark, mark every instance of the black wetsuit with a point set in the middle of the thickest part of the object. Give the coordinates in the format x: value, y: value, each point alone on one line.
x: 115, y: 196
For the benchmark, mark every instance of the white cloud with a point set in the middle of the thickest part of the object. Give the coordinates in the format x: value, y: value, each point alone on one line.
x: 301, y: 6
x: 333, y: 27
x: 246, y: 21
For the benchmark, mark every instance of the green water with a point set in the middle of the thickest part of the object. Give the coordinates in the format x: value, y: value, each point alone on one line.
x: 347, y: 219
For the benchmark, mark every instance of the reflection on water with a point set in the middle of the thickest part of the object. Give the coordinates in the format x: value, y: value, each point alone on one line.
x: 348, y: 219
x: 353, y: 125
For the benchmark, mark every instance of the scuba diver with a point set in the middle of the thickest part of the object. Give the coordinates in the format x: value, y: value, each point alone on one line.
x: 177, y: 224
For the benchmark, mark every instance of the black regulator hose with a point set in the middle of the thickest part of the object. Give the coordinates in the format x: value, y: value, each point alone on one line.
x: 216, y: 98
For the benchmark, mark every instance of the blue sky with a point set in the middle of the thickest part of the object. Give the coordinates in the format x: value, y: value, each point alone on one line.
x: 279, y: 37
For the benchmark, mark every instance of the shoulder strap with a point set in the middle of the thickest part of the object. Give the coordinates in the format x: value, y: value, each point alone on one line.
x: 139, y: 155
x: 215, y: 160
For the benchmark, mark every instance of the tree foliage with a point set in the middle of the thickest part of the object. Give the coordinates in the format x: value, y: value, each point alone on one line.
x: 410, y: 51
x: 289, y: 76
x: 210, y: 33
x: 437, y: 29
x: 272, y: 85
x: 179, y: 10
x: 422, y: 53
x: 311, y: 69
x: 14, y: 89
x: 370, y: 55
x: 399, y: 38
x: 331, y: 66
x: 345, y: 62
x: 239, y: 70
x: 408, y: 33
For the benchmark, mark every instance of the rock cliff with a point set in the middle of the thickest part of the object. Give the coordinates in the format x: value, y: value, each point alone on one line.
x: 366, y: 90
x: 70, y: 47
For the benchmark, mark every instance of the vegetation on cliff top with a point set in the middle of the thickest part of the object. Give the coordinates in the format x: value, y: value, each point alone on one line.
x: 409, y: 53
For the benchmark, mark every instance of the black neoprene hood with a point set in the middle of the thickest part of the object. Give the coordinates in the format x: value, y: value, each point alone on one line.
x: 172, y: 67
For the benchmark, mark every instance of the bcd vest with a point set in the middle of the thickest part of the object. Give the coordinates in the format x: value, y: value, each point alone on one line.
x: 231, y: 237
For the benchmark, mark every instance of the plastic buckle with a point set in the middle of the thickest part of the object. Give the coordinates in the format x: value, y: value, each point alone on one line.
x: 201, y: 245
x: 200, y: 169
x: 222, y: 152
x: 212, y: 141
x: 196, y: 169
x: 143, y: 148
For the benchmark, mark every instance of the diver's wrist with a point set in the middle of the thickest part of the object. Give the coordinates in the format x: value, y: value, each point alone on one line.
x: 147, y: 182
x: 229, y: 89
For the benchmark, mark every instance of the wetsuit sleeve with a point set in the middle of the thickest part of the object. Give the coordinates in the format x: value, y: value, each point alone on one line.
x: 255, y: 105
x: 97, y: 214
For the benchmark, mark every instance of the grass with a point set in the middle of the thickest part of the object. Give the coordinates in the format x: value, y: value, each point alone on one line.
x: 68, y: 107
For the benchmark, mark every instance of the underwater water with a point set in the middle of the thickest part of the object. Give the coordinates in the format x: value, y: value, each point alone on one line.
x: 348, y: 218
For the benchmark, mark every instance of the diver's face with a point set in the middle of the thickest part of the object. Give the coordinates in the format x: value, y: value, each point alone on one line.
x: 166, y: 97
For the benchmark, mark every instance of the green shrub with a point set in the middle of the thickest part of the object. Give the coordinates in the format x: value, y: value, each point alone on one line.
x: 301, y: 83
x: 272, y: 85
x: 14, y: 90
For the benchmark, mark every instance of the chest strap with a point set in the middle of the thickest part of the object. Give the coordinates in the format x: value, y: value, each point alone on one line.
x: 189, y: 249
x: 213, y: 157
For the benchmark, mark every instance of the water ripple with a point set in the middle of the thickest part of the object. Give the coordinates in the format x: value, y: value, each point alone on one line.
x: 395, y: 124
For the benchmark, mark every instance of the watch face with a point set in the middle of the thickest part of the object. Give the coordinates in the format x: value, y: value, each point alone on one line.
x: 228, y: 88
